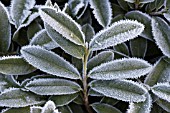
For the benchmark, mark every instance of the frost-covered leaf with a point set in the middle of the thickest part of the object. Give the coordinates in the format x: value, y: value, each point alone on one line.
x: 41, y: 38
x: 117, y: 33
x: 162, y: 90
x: 163, y: 104
x: 7, y: 82
x: 102, y: 57
x: 61, y: 100
x: 167, y: 15
x: 144, y: 19
x: 52, y: 86
x: 121, y: 68
x: 138, y: 47
x: 102, y: 11
x: 48, y: 3
x: 89, y: 32
x: 49, y: 107
x: 35, y: 109
x: 104, y: 108
x: 75, y: 6
x: 68, y: 46
x: 16, y: 110
x: 121, y: 50
x: 63, y: 24
x: 120, y: 89
x: 67, y: 109
x: 110, y: 101
x: 5, y: 29
x: 160, y: 30
x: 141, y: 107
x: 91, y: 92
x: 159, y: 73
x: 49, y: 62
x: 20, y: 10
x: 123, y: 5
x: 17, y: 98
x: 140, y: 1
x: 15, y: 65
x: 32, y: 29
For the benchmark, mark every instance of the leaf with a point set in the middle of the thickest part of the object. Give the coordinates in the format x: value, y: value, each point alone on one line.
x: 108, y: 100
x: 89, y: 32
x: 102, y: 11
x: 124, y: 90
x: 15, y: 65
x: 123, y: 5
x: 91, y: 92
x: 66, y: 109
x: 163, y: 104
x: 162, y: 90
x: 144, y: 19
x: 49, y: 62
x: 7, y: 82
x: 17, y: 110
x: 5, y: 32
x: 74, y: 108
x: 15, y: 97
x: 141, y: 107
x: 32, y: 29
x: 117, y: 33
x: 20, y: 10
x: 167, y: 15
x: 104, y: 108
x: 121, y: 50
x: 160, y: 73
x: 140, y: 1
x: 49, y: 107
x: 63, y: 24
x: 160, y: 30
x: 41, y: 38
x: 138, y: 47
x: 121, y: 68
x: 69, y: 47
x: 35, y: 109
x: 102, y: 57
x: 51, y: 86
x: 61, y: 100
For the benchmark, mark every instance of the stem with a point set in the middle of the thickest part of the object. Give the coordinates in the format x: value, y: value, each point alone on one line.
x: 85, y: 85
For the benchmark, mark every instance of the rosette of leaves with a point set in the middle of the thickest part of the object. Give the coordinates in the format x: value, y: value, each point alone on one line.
x: 54, y: 62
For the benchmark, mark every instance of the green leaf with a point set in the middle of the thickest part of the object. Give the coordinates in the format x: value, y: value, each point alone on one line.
x: 5, y: 32
x: 63, y: 24
x: 123, y: 5
x: 121, y: 68
x: 41, y: 38
x: 91, y: 92
x: 32, y: 29
x: 17, y: 110
x: 49, y: 107
x: 121, y: 50
x: 131, y: 1
x: 102, y: 11
x: 15, y: 97
x: 51, y: 86
x: 160, y: 30
x: 124, y: 90
x: 102, y: 57
x: 162, y: 90
x: 7, y: 82
x: 163, y: 104
x: 110, y: 101
x: 61, y: 100
x: 140, y: 1
x: 67, y: 109
x: 49, y: 62
x: 69, y: 47
x: 144, y: 19
x: 104, y: 108
x: 141, y: 107
x: 89, y: 32
x: 117, y: 33
x: 159, y: 73
x: 15, y: 65
x: 75, y: 108
x: 20, y: 10
x: 138, y: 47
